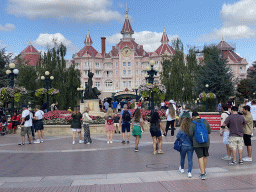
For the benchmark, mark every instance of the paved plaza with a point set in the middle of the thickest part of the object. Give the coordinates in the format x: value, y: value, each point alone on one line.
x: 57, y: 165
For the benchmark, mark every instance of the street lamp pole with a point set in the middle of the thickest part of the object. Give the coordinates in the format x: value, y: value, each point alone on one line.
x: 47, y: 79
x: 12, y: 74
x: 206, y: 86
x: 150, y: 79
x: 136, y: 91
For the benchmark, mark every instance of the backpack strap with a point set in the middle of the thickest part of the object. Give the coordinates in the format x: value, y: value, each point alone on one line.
x: 202, y: 120
x: 194, y: 122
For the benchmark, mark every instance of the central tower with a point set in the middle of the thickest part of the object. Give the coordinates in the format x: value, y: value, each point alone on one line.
x: 127, y: 28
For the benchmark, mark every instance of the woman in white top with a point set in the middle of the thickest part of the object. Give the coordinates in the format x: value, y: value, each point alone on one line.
x: 39, y: 126
x: 171, y: 115
x: 86, y: 120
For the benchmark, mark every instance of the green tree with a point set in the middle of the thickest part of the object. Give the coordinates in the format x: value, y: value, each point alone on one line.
x: 215, y: 73
x: 178, y: 74
x: 251, y: 75
x: 66, y: 80
x: 244, y: 89
x: 4, y: 61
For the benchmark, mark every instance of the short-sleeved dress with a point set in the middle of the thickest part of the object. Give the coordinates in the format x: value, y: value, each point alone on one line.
x: 109, y: 127
x: 136, y: 128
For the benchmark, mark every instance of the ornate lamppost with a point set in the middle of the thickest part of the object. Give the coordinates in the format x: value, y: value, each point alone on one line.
x: 135, y: 88
x: 47, y: 79
x: 206, y: 91
x: 81, y: 90
x: 12, y: 74
x: 150, y: 79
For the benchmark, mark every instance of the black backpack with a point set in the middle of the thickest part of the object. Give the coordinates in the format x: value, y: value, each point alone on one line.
x: 126, y: 116
x: 154, y: 127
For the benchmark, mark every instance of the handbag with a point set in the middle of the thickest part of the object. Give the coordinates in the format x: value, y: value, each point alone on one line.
x: 177, y: 145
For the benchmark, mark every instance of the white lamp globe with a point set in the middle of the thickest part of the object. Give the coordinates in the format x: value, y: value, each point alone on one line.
x: 8, y: 72
x: 42, y: 77
x: 51, y: 77
x: 47, y: 73
x: 12, y: 65
x: 16, y: 71
x: 152, y: 62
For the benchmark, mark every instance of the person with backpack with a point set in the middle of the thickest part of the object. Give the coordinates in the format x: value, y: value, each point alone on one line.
x: 76, y: 125
x: 186, y: 146
x: 26, y: 122
x: 137, y: 124
x: 185, y: 113
x: 171, y: 117
x: 155, y: 125
x: 125, y: 122
x: 109, y: 125
x: 224, y: 131
x: 199, y: 131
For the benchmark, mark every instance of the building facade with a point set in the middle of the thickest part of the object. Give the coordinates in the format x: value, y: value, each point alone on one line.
x: 124, y: 66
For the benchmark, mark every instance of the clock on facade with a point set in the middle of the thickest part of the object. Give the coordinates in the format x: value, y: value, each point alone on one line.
x: 126, y: 52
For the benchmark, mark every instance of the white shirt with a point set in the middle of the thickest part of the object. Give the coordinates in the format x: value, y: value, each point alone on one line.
x: 39, y: 114
x: 24, y: 114
x: 169, y: 118
x: 162, y: 104
x: 249, y: 103
x: 253, y: 112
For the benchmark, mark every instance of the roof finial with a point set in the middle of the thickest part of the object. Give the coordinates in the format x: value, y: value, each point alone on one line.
x: 164, y: 30
x: 88, y: 33
x: 30, y: 42
x: 222, y: 37
x: 126, y: 12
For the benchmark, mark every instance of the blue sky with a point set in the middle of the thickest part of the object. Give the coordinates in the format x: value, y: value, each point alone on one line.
x: 196, y: 23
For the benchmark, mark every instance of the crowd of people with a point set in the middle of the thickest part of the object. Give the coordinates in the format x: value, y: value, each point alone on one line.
x: 236, y: 129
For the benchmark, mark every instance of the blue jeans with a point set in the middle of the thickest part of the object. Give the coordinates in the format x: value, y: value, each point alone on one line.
x: 189, y: 151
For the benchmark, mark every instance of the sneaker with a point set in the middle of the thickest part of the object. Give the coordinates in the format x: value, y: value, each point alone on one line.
x: 88, y: 143
x: 123, y: 142
x: 111, y: 141
x: 189, y: 175
x: 241, y: 162
x: 136, y: 149
x: 80, y: 141
x: 232, y: 163
x: 226, y: 158
x: 21, y: 144
x: 247, y: 159
x: 42, y: 140
x: 37, y: 141
x: 155, y: 152
x: 202, y: 176
x: 163, y: 135
x: 108, y: 142
x: 73, y: 142
x: 181, y: 170
x: 160, y: 152
x: 128, y: 142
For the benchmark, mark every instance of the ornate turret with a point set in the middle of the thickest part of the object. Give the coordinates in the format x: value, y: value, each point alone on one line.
x: 88, y: 40
x: 127, y: 28
x: 164, y: 39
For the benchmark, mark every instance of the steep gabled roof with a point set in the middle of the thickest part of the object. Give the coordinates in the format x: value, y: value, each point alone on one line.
x: 30, y: 55
x: 87, y: 50
x: 162, y: 49
x: 164, y: 39
x: 223, y: 45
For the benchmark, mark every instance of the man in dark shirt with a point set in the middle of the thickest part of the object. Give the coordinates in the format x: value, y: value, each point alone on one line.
x: 235, y: 123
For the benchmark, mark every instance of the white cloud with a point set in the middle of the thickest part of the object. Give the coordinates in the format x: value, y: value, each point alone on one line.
x: 233, y: 32
x: 238, y: 19
x: 49, y: 40
x: 7, y: 27
x: 241, y: 13
x: 74, y: 10
x: 149, y: 40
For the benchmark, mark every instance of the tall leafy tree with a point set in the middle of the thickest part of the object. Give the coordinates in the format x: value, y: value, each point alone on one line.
x: 245, y: 89
x: 216, y: 74
x: 4, y: 61
x: 178, y: 74
x: 251, y: 75
x: 66, y: 80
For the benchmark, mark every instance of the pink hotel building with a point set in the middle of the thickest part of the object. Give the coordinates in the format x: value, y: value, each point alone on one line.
x: 125, y: 65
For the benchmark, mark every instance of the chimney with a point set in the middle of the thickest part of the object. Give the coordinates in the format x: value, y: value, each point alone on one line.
x: 103, y: 45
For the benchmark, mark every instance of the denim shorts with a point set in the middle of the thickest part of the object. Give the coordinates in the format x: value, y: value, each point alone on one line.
x: 126, y: 127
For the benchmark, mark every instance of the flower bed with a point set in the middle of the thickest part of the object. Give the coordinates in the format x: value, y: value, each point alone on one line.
x: 62, y: 117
